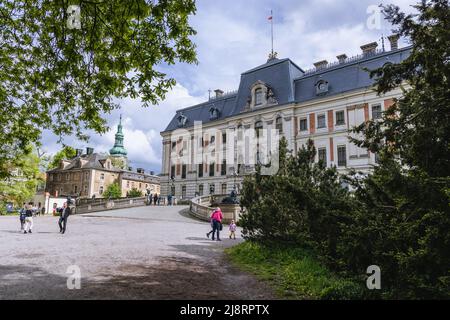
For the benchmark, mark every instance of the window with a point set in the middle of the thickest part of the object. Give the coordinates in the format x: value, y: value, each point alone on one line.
x: 211, y: 169
x: 102, y: 176
x: 172, y: 172
x: 322, y: 153
x: 224, y: 138
x: 67, y: 176
x: 85, y: 189
x: 258, y: 97
x: 376, y: 112
x: 200, y: 190
x: 183, y: 172
x: 212, y: 188
x: 258, y: 128
x: 86, y: 175
x: 101, y: 190
x: 75, y: 189
x: 128, y: 184
x: 304, y: 124
x: 223, y: 169
x: 240, y: 132
x: 279, y: 124
x: 213, y: 139
x: 183, y: 192
x: 342, y: 156
x: 200, y: 170
x: 224, y: 188
x: 340, y: 118
x: 140, y: 185
x: 321, y: 121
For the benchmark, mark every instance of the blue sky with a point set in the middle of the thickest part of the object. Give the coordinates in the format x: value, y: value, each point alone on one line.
x: 232, y: 37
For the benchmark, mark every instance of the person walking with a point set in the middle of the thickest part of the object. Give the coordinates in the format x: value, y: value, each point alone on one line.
x: 232, y: 229
x: 65, y: 212
x: 212, y: 224
x: 155, y: 199
x: 22, y: 216
x: 28, y: 225
x: 216, y: 218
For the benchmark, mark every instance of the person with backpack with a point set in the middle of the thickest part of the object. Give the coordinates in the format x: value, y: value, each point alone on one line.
x: 28, y: 225
x: 22, y: 216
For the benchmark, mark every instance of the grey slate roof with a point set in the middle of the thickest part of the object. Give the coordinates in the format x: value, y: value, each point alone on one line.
x: 94, y: 161
x: 291, y: 84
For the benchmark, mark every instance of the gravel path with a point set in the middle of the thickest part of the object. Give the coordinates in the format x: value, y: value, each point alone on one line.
x: 138, y: 253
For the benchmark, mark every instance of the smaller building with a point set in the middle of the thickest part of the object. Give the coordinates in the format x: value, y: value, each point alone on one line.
x: 89, y: 175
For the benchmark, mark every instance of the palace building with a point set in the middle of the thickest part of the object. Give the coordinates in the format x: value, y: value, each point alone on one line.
x: 321, y: 104
x: 88, y: 175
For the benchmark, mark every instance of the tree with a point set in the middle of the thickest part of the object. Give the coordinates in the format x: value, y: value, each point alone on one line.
x: 134, y: 193
x: 22, y: 183
x: 404, y: 219
x: 61, y: 71
x: 66, y: 153
x: 113, y: 191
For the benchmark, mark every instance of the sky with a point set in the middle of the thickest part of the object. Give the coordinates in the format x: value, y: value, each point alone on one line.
x: 234, y: 36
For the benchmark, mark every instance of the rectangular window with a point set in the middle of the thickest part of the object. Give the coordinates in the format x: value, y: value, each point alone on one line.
x: 212, y: 188
x: 102, y: 176
x: 304, y: 124
x: 223, y: 168
x: 340, y: 118
x: 101, y: 190
x: 200, y: 170
x: 376, y: 112
x: 183, y: 192
x: 211, y: 170
x: 321, y: 121
x: 183, y: 172
x: 342, y: 156
x: 322, y: 153
x: 224, y: 188
x: 172, y: 171
x: 224, y: 138
x: 200, y: 190
x: 258, y: 97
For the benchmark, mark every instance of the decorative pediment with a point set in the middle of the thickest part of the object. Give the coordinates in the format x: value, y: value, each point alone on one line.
x: 261, y: 95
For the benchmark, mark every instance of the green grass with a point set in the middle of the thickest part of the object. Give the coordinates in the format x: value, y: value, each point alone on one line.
x: 293, y: 272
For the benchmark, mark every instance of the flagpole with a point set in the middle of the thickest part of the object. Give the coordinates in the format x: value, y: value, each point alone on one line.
x: 271, y: 24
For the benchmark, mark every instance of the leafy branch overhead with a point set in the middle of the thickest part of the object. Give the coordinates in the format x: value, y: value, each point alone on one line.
x: 62, y: 78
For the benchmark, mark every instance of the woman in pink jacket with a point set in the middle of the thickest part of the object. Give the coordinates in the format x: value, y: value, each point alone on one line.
x: 216, y: 220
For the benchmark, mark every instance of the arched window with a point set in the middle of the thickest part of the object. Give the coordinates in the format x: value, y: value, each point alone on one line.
x: 258, y: 97
x: 279, y: 124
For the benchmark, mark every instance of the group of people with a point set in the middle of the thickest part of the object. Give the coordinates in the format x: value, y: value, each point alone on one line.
x: 155, y: 198
x: 27, y: 212
x: 216, y: 225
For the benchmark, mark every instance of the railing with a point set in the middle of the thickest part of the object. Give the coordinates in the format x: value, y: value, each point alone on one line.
x: 200, y: 207
x: 101, y: 204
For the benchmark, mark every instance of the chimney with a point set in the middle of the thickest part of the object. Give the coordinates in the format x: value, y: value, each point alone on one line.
x: 369, y: 49
x: 219, y: 93
x: 79, y: 152
x: 140, y: 170
x: 89, y: 151
x: 342, y: 58
x: 393, y: 39
x: 321, y: 64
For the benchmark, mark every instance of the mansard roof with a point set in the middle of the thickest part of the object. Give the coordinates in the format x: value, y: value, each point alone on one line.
x: 289, y: 84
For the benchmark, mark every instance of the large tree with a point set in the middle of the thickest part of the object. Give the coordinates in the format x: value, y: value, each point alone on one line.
x: 61, y: 72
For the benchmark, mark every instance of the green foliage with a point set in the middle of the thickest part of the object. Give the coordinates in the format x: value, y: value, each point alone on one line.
x: 294, y: 272
x: 21, y: 185
x: 65, y: 79
x: 134, y: 193
x: 113, y: 191
x: 66, y: 153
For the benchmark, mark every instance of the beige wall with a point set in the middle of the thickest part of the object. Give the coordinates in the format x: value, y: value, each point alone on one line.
x: 128, y: 184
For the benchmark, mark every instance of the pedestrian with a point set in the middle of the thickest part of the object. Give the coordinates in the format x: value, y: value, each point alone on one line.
x: 159, y: 200
x: 39, y: 209
x: 212, y: 224
x: 149, y: 199
x: 65, y: 212
x: 232, y: 229
x: 155, y: 199
x: 28, y: 225
x: 169, y: 200
x: 216, y: 218
x: 43, y: 211
x: 22, y: 216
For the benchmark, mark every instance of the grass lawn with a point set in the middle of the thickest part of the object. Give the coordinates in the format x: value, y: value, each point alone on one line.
x: 293, y: 272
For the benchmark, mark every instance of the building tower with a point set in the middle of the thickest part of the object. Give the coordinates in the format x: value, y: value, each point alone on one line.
x: 118, y: 152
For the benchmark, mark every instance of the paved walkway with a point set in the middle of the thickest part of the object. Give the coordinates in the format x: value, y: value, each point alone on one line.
x: 137, y: 253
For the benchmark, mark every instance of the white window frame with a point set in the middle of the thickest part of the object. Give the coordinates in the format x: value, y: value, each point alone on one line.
x: 317, y: 121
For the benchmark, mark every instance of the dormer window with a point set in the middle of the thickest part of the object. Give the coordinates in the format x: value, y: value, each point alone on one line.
x: 214, y: 113
x: 321, y: 87
x: 182, y: 120
x: 258, y: 97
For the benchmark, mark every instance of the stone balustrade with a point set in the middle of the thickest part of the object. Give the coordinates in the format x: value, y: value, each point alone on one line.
x: 201, y: 208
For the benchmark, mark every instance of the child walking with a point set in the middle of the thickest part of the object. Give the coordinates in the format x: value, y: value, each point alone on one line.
x: 232, y: 230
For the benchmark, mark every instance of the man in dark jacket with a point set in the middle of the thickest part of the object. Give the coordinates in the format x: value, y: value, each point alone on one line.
x: 64, y: 214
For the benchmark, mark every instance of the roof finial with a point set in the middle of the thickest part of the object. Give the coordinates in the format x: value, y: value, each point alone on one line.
x: 120, y: 119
